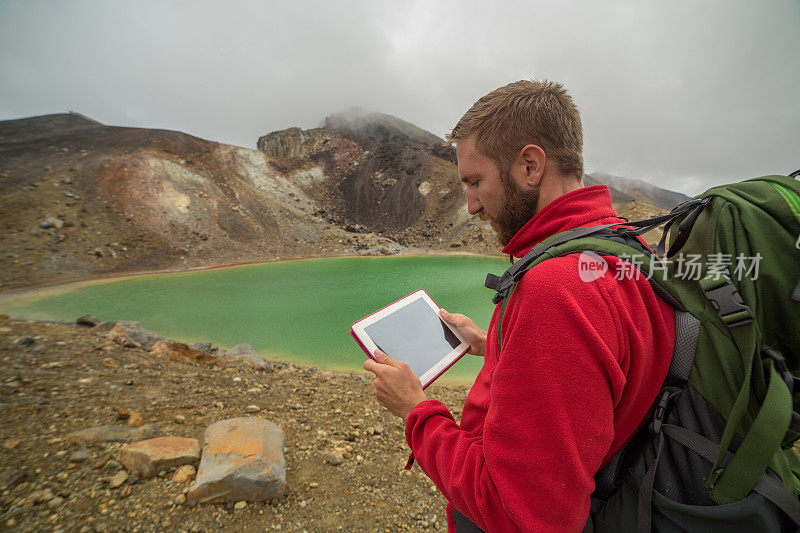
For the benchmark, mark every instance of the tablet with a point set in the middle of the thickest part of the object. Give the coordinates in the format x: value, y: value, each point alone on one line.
x: 410, y: 330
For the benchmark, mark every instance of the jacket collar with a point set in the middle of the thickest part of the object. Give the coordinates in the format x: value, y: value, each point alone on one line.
x: 587, y: 206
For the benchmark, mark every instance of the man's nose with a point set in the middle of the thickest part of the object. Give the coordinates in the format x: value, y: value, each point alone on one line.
x: 473, y: 204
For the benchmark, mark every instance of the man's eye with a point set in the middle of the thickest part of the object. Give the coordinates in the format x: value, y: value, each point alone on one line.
x: 473, y: 184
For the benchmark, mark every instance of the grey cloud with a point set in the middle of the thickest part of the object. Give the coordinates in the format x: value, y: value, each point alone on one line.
x: 683, y: 94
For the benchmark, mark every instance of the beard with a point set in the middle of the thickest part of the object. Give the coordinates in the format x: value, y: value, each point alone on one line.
x: 517, y: 209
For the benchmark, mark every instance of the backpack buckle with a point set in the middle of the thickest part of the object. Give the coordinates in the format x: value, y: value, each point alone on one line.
x: 500, y: 284
x: 660, y: 411
x: 796, y: 293
x: 729, y: 304
x: 783, y: 368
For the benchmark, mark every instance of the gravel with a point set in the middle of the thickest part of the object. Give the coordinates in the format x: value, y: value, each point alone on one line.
x: 344, y: 453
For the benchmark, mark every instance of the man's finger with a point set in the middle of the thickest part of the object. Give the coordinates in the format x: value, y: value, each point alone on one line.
x: 381, y: 357
x: 371, y: 366
x: 450, y: 318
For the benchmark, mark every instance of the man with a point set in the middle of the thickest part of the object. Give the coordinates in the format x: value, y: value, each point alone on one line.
x: 580, y: 362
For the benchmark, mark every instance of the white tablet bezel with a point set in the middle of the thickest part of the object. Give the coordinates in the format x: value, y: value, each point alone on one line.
x: 369, y: 346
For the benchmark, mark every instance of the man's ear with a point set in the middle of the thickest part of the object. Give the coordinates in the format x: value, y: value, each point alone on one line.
x: 532, y: 160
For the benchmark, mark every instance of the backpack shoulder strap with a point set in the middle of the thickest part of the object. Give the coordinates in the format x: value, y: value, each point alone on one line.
x: 502, y: 284
x: 599, y: 239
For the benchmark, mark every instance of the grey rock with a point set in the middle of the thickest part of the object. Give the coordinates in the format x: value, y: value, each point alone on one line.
x: 114, y: 433
x: 55, y: 502
x: 334, y: 458
x: 388, y: 248
x: 202, y: 346
x: 79, y: 456
x: 12, y: 478
x: 135, y: 332
x: 246, y: 353
x: 25, y: 341
x: 41, y: 496
x: 98, y: 252
x: 242, y: 461
x: 105, y: 326
x: 88, y: 321
x: 152, y: 457
x: 117, y: 479
x: 51, y: 222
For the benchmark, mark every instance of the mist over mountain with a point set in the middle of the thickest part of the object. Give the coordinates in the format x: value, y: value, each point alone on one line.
x: 638, y: 190
x: 382, y: 174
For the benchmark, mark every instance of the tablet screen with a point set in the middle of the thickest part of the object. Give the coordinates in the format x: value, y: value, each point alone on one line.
x: 415, y: 335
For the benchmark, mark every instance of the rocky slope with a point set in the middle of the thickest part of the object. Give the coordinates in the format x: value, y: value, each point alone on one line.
x: 79, y: 199
x: 625, y: 190
x: 390, y: 177
x: 344, y: 453
x: 386, y: 176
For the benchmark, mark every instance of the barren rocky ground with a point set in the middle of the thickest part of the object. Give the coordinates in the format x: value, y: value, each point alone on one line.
x: 59, y: 378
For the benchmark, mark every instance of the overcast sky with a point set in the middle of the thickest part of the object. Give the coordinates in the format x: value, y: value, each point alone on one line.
x: 684, y: 94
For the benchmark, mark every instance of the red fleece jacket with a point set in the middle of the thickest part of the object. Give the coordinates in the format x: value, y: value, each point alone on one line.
x: 580, y: 365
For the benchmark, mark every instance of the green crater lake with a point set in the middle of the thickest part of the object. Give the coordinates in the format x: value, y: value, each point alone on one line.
x: 298, y: 310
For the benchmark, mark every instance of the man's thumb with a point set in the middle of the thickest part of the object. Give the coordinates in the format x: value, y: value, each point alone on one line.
x: 382, y: 358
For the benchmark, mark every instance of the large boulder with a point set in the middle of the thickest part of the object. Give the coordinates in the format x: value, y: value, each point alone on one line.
x: 149, y: 457
x: 246, y: 354
x: 242, y: 461
x: 202, y: 346
x: 129, y: 333
x: 183, y: 353
x: 89, y: 321
x: 114, y: 433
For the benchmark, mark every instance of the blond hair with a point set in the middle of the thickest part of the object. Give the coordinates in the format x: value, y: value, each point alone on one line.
x: 522, y: 113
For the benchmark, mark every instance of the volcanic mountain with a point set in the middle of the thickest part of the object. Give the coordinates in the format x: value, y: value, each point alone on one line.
x: 384, y: 175
x: 80, y: 199
x: 391, y: 177
x: 625, y: 190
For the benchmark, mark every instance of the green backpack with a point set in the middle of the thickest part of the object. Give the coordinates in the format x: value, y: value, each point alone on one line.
x: 717, y: 454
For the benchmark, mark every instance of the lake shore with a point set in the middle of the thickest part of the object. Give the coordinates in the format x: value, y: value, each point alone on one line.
x: 210, y: 322
x: 113, y: 276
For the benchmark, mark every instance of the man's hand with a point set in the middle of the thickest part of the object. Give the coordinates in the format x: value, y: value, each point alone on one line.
x: 397, y: 388
x: 468, y: 330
